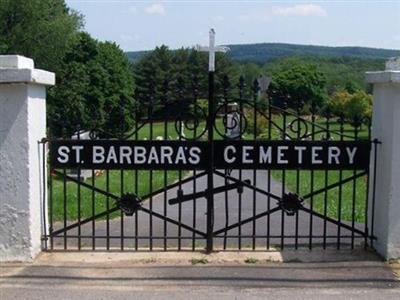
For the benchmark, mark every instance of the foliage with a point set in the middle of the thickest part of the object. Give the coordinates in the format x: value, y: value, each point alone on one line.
x: 340, y: 72
x: 354, y: 107
x: 263, y: 52
x: 95, y: 89
x: 39, y: 29
x: 260, y: 129
x: 178, y: 76
x: 296, y: 85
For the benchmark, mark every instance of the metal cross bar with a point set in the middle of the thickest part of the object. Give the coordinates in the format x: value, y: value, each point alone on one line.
x: 336, y: 184
x: 348, y: 227
x: 248, y: 185
x: 217, y: 190
x: 260, y: 215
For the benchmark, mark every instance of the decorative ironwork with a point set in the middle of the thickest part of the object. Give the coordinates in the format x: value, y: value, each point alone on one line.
x: 290, y: 203
x: 129, y: 204
x: 191, y: 125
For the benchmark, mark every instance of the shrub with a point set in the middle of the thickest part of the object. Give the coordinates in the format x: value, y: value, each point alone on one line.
x: 355, y: 107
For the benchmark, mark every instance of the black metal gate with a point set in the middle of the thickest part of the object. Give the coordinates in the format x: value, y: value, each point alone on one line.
x: 288, y: 188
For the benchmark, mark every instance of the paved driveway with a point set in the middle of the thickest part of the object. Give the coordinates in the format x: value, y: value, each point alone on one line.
x: 227, y: 210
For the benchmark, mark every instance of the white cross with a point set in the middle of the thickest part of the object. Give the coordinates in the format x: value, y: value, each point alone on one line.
x: 212, y: 49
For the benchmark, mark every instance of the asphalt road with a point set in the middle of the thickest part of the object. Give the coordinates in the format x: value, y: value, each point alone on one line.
x: 226, y: 212
x: 340, y: 280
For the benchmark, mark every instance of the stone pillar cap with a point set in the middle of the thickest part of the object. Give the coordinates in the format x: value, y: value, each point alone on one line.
x: 20, y: 69
x: 16, y: 62
x: 390, y: 75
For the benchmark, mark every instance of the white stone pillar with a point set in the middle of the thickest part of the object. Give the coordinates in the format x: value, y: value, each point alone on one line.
x: 22, y: 125
x: 386, y: 128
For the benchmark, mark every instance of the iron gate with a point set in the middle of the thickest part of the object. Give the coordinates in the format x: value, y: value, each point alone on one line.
x: 297, y: 198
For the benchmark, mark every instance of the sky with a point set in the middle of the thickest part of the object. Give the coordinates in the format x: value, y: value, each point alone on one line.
x: 143, y: 25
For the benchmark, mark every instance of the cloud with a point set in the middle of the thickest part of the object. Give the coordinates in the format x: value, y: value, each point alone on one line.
x: 155, y: 9
x: 302, y: 10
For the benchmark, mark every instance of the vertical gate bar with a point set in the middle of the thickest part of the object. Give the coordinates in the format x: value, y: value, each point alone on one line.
x: 226, y: 171
x: 241, y: 87
x: 180, y: 133
x: 353, y: 204
x: 313, y: 107
x: 255, y: 91
x: 341, y: 120
x: 326, y: 184
x: 151, y: 176
x: 283, y: 186
x: 165, y: 100
x: 136, y: 173
x: 269, y: 176
x: 296, y: 234
x: 79, y: 199
x: 108, y: 209
x: 374, y: 192
x: 180, y: 203
x: 51, y: 207
x: 65, y: 206
x: 44, y: 187
x: 122, y: 214
x: 93, y: 212
x: 226, y: 210
x: 210, y: 168
x: 121, y: 137
x: 195, y: 96
x: 180, y: 214
x: 296, y: 239
x: 366, y: 196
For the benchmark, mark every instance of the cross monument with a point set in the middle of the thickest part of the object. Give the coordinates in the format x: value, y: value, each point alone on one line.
x: 211, y: 49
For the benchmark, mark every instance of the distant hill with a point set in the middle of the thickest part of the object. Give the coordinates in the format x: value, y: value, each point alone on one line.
x: 263, y: 52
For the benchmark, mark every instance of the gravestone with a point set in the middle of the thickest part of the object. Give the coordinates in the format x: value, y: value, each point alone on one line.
x: 263, y: 83
x: 233, y: 121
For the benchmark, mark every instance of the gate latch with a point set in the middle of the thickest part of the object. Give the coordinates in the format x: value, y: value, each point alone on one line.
x: 129, y: 204
x: 291, y: 203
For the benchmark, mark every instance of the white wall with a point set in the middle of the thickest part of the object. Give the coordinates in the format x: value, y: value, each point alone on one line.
x: 22, y: 125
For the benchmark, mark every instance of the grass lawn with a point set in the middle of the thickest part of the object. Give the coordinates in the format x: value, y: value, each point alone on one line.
x: 300, y: 182
x: 93, y: 203
x: 88, y: 197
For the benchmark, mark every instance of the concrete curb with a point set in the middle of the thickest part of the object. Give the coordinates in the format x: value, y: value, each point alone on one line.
x: 192, y: 258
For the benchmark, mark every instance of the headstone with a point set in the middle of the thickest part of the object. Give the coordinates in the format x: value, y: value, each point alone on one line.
x: 233, y: 121
x: 263, y: 83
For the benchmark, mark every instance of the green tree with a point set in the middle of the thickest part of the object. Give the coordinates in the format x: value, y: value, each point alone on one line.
x: 94, y: 90
x: 299, y: 84
x: 39, y: 29
x: 355, y: 107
